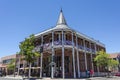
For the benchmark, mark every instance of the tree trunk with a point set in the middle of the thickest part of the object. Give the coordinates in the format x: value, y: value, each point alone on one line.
x: 18, y: 67
x: 24, y: 69
x: 29, y: 70
x: 14, y: 68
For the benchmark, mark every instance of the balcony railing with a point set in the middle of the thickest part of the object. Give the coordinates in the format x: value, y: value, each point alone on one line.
x: 67, y: 42
x: 87, y: 49
x: 80, y: 47
x: 93, y: 50
x: 57, y: 42
x: 47, y: 46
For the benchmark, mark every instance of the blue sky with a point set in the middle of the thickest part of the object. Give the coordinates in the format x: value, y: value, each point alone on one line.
x: 99, y: 19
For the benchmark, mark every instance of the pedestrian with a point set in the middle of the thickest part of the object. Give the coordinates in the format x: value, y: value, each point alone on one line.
x: 91, y: 73
x: 87, y: 73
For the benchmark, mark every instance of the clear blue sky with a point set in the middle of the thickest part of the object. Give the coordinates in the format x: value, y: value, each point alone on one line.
x: 99, y: 19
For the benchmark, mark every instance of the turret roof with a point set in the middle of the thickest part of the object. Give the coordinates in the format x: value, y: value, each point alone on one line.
x: 62, y: 25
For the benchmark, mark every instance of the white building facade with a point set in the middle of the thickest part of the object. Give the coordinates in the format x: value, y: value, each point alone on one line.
x: 66, y: 53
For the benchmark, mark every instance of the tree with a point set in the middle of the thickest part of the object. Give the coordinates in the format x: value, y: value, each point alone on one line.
x: 11, y: 66
x: 103, y: 59
x: 113, y: 64
x: 27, y: 50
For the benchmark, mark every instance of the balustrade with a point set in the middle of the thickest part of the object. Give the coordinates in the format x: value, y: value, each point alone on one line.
x: 67, y: 42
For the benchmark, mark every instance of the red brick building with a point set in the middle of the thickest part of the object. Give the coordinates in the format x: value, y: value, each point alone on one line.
x: 4, y: 61
x: 116, y: 56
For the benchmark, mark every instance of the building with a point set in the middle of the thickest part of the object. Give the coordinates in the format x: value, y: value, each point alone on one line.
x: 116, y: 56
x: 4, y: 61
x: 66, y: 53
x: 2, y: 66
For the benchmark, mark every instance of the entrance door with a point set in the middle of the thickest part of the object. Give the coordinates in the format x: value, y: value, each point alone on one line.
x: 58, y: 68
x: 46, y: 67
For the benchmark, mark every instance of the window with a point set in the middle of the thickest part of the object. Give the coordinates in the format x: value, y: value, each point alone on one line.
x: 57, y: 37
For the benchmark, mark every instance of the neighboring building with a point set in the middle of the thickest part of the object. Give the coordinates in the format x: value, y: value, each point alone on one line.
x: 2, y: 66
x: 4, y: 61
x: 7, y: 59
x: 116, y: 56
x: 66, y: 53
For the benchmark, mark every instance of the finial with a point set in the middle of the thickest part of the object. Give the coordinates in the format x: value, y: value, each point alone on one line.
x: 61, y: 10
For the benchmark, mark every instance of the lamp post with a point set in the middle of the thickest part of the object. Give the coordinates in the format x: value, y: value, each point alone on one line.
x: 52, y: 66
x: 41, y: 52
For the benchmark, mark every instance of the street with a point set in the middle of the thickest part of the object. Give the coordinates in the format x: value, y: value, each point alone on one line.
x: 2, y: 78
x: 105, y: 78
x: 92, y: 78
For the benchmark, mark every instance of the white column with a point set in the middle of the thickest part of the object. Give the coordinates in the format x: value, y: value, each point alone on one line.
x: 85, y: 54
x: 64, y: 37
x: 95, y: 48
x: 41, y: 58
x: 29, y: 74
x: 73, y: 53
x: 91, y: 57
x: 52, y: 68
x: 96, y: 54
x: 63, y: 68
x: 77, y: 57
x: 59, y: 37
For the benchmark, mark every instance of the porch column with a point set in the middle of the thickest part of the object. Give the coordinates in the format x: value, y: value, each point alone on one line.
x: 41, y: 57
x: 96, y: 54
x: 77, y: 56
x: 59, y: 37
x: 53, y: 56
x: 85, y: 54
x: 91, y: 56
x: 63, y: 68
x: 73, y: 53
x: 64, y: 37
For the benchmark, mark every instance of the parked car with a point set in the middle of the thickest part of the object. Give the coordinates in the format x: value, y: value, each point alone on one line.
x: 1, y: 74
x: 117, y: 74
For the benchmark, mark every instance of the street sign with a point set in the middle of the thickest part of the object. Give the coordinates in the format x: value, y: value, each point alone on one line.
x: 41, y: 49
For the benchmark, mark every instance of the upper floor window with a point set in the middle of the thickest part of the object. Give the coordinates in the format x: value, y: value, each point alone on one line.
x: 57, y: 37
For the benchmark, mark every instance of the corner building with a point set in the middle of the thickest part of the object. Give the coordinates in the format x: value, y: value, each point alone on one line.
x: 66, y: 53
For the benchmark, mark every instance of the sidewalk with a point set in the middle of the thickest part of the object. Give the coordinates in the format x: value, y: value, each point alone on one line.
x: 47, y: 78
x: 44, y: 78
x: 12, y: 77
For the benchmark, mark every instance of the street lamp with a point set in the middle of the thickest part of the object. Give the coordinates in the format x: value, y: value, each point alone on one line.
x: 41, y: 52
x: 41, y: 49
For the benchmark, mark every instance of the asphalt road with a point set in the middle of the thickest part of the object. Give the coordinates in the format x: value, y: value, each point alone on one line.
x: 104, y: 78
x: 93, y: 78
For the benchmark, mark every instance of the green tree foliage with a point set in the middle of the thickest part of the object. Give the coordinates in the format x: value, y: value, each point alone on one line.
x: 103, y: 59
x: 27, y: 50
x: 11, y: 66
x: 113, y: 64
